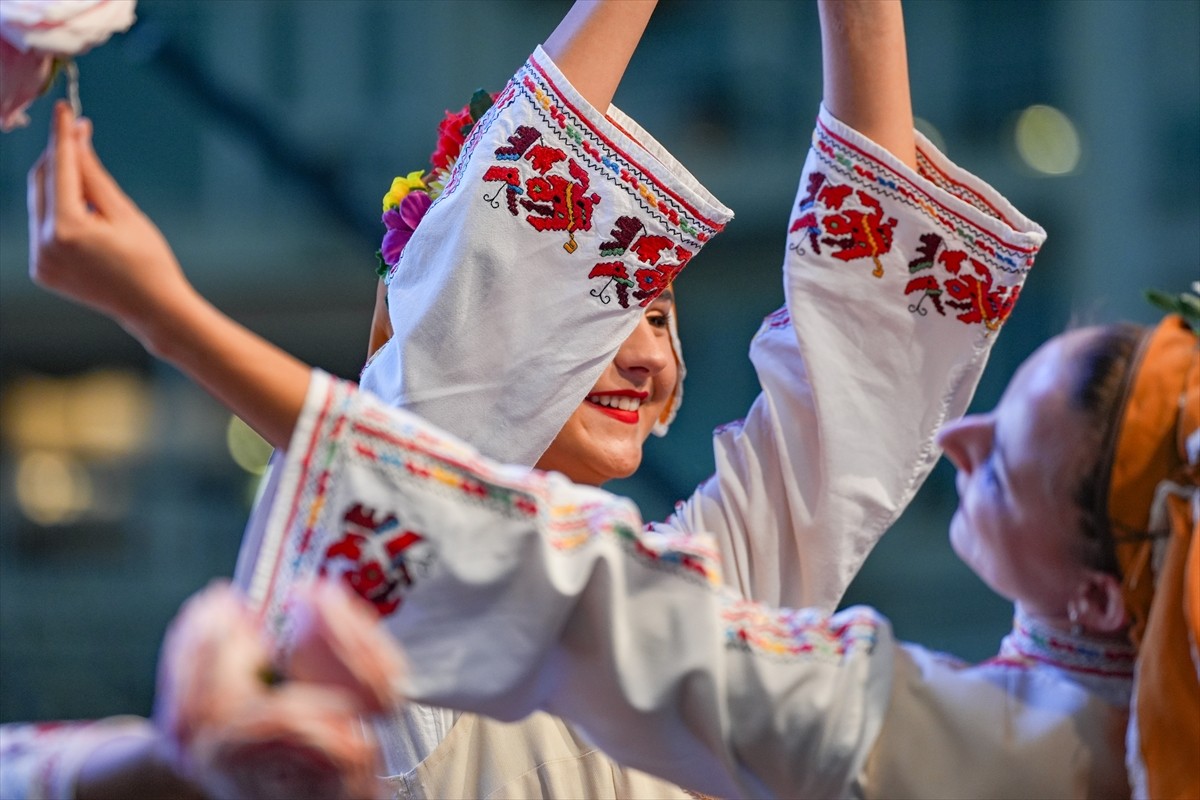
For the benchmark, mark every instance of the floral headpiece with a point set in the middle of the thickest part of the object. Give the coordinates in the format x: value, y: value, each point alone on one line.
x: 405, y: 204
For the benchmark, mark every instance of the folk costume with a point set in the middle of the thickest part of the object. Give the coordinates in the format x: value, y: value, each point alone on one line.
x: 905, y: 277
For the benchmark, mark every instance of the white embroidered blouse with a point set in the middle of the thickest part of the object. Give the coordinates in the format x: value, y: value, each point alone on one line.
x: 524, y: 592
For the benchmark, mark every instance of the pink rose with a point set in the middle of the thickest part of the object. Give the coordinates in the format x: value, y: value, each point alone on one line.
x: 36, y: 33
x: 23, y: 78
x: 63, y: 27
x: 337, y: 641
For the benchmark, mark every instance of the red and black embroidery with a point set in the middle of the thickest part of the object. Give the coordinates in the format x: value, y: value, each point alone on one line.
x: 978, y: 283
x: 970, y: 291
x: 662, y: 256
x: 555, y: 202
x: 376, y: 557
x: 853, y: 222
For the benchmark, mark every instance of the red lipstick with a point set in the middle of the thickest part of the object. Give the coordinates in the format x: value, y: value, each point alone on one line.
x: 629, y: 417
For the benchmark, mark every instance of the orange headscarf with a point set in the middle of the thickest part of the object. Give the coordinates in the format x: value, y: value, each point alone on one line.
x: 1154, y: 512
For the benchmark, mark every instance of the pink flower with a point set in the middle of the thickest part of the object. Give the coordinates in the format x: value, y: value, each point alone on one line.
x: 239, y: 732
x: 23, y: 78
x: 337, y: 641
x: 36, y: 33
x: 63, y: 27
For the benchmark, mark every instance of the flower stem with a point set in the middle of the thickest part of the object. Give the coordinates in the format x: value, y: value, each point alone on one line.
x: 73, y: 87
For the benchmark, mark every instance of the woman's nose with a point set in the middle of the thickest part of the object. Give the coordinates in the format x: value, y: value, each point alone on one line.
x: 962, y: 440
x: 647, y: 350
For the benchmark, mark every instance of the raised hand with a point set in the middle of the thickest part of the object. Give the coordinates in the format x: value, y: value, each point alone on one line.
x: 90, y: 243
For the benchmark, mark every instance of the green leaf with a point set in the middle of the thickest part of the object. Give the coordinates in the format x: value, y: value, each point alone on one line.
x: 481, y: 101
x: 1184, y: 304
x: 382, y: 268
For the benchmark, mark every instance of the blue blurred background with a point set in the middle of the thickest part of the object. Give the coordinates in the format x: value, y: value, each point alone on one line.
x: 261, y: 135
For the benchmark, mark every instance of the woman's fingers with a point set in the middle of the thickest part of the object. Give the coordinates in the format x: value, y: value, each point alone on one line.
x: 64, y: 187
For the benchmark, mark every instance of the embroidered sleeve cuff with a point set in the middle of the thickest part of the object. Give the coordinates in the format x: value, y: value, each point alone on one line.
x: 942, y: 189
x: 940, y: 237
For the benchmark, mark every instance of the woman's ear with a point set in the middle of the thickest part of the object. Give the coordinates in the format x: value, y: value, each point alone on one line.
x: 1098, y: 605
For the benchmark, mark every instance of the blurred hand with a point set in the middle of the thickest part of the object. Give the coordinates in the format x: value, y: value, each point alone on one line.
x: 242, y: 727
x: 90, y: 243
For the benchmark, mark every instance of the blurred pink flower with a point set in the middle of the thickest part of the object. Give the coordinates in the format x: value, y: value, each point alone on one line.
x: 401, y: 222
x: 337, y: 641
x: 23, y: 78
x: 63, y: 27
x: 240, y: 731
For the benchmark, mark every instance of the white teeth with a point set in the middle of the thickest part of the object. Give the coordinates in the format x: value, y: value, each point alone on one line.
x: 612, y: 401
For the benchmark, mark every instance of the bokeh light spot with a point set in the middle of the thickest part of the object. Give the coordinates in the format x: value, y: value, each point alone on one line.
x: 1047, y: 141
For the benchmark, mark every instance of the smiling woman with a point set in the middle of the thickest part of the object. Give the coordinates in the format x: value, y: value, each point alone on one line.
x: 602, y: 439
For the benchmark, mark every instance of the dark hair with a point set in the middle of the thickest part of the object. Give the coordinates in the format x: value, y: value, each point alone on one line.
x: 1103, y: 369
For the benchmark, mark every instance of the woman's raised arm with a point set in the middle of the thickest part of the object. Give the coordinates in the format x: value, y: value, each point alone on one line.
x: 866, y: 72
x: 594, y: 42
x: 90, y: 243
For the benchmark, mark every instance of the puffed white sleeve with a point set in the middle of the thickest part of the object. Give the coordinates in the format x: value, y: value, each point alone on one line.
x: 513, y: 590
x: 557, y: 226
x: 897, y: 284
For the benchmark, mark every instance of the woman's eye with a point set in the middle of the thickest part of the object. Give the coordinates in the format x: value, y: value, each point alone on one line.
x: 660, y: 320
x: 990, y: 473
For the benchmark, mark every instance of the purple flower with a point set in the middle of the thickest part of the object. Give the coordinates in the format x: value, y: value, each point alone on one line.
x: 401, y: 221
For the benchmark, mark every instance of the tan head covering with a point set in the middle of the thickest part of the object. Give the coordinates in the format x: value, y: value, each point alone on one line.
x: 1154, y: 512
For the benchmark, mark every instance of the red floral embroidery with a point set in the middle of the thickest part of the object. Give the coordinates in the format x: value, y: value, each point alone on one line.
x: 377, y: 559
x: 971, y: 292
x: 663, y: 257
x: 555, y: 202
x: 856, y: 229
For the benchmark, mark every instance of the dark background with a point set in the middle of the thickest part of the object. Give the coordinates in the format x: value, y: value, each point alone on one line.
x: 261, y: 135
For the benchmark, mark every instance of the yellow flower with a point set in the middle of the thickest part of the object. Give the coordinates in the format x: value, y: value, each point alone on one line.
x: 401, y: 187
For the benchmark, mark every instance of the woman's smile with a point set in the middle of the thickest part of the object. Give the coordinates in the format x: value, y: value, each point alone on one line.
x: 622, y: 405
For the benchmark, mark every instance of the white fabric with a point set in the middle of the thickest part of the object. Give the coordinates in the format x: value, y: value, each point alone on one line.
x: 802, y: 491
x: 539, y: 594
x: 500, y: 331
x: 856, y: 376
